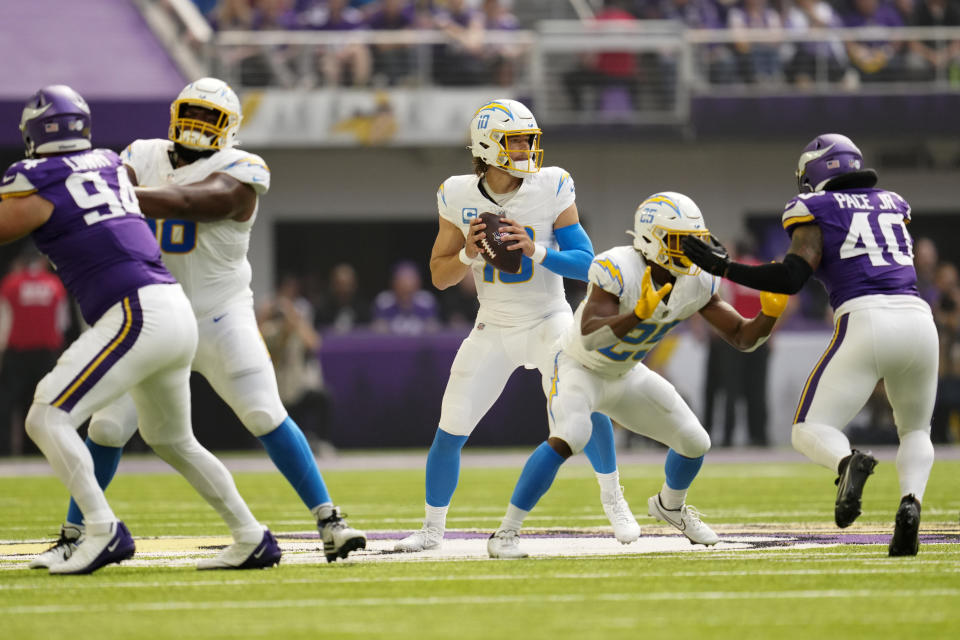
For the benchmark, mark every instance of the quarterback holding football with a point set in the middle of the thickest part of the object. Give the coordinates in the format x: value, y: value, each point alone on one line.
x: 537, y: 242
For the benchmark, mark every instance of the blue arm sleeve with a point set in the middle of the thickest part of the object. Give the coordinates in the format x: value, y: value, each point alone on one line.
x: 576, y: 253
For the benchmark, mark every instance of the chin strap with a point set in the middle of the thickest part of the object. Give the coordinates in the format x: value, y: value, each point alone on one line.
x: 188, y: 155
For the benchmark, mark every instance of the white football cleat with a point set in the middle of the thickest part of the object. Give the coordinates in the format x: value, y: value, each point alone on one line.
x: 339, y: 538
x: 686, y: 519
x: 423, y: 540
x: 505, y: 543
x: 246, y: 555
x: 95, y: 550
x: 625, y: 526
x: 62, y: 549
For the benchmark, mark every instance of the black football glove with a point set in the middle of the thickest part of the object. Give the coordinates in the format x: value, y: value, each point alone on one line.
x: 712, y: 258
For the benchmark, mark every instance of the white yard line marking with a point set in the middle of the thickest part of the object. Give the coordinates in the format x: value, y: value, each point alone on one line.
x: 813, y: 594
x: 53, y: 585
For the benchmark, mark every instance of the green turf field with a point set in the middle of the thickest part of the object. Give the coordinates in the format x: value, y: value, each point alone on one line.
x: 806, y: 585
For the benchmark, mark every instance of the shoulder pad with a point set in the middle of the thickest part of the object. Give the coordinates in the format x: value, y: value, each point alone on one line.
x: 606, y: 273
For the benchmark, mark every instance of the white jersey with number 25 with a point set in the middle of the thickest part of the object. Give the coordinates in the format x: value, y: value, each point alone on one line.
x: 620, y: 271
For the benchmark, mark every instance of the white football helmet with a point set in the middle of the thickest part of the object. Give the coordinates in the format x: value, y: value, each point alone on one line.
x: 659, y: 224
x: 217, y: 96
x: 489, y: 131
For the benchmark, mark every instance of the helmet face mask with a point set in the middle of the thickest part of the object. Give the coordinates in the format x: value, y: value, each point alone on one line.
x: 826, y: 157
x: 660, y: 224
x: 206, y: 115
x: 495, y: 130
x: 56, y: 119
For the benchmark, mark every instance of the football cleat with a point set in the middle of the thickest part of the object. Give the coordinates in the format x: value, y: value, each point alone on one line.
x: 625, y: 526
x: 854, y: 470
x: 423, y: 540
x: 339, y: 538
x: 61, y: 550
x: 686, y: 519
x: 906, y: 531
x: 246, y: 555
x: 98, y: 550
x: 505, y: 544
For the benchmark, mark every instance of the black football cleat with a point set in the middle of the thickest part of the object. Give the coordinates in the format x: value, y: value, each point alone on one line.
x: 906, y: 532
x: 854, y: 470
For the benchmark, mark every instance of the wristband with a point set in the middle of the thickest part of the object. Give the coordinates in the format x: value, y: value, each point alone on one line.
x: 464, y: 258
x: 539, y: 253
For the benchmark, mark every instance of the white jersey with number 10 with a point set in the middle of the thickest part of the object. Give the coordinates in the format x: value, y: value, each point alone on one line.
x: 508, y: 299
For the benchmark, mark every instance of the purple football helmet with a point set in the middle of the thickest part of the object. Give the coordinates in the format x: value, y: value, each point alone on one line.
x: 56, y: 119
x: 826, y: 157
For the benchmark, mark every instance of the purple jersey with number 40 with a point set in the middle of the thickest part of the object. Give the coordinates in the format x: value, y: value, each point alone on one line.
x: 96, y: 237
x: 867, y: 249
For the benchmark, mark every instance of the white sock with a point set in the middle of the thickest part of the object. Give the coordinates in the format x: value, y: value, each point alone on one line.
x: 914, y: 461
x: 609, y: 483
x: 822, y: 444
x: 436, y: 517
x: 672, y: 499
x: 53, y: 434
x: 322, y: 511
x: 100, y: 528
x: 514, y: 518
x: 214, y: 483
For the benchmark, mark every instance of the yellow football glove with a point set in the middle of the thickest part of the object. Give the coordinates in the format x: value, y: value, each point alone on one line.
x: 649, y: 299
x: 773, y: 304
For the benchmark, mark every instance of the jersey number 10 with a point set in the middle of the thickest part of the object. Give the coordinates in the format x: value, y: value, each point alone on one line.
x: 174, y: 236
x: 526, y: 269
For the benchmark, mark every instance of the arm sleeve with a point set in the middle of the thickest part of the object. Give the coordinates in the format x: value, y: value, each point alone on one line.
x: 778, y: 277
x: 576, y: 252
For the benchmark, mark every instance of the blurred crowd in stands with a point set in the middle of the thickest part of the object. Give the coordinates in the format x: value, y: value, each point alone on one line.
x: 466, y: 60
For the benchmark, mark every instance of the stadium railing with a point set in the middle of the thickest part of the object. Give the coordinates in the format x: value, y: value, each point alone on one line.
x: 555, y: 64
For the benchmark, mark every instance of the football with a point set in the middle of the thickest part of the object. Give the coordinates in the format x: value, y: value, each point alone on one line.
x: 494, y: 249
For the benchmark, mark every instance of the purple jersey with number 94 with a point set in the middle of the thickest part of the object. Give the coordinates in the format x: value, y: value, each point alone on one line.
x: 96, y: 237
x: 867, y: 249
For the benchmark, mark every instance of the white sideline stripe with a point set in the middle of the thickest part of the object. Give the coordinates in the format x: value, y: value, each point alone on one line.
x: 75, y: 587
x: 478, y: 600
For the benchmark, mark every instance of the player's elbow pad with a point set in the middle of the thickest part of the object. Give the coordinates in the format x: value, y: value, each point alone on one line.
x: 787, y: 277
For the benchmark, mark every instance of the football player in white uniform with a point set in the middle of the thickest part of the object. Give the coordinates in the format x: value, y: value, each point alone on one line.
x: 201, y: 194
x: 521, y: 315
x: 599, y: 365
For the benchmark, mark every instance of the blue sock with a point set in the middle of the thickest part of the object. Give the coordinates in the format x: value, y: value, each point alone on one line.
x: 681, y: 471
x: 600, y: 450
x: 105, y: 461
x: 288, y: 448
x: 537, y: 476
x: 443, y: 467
